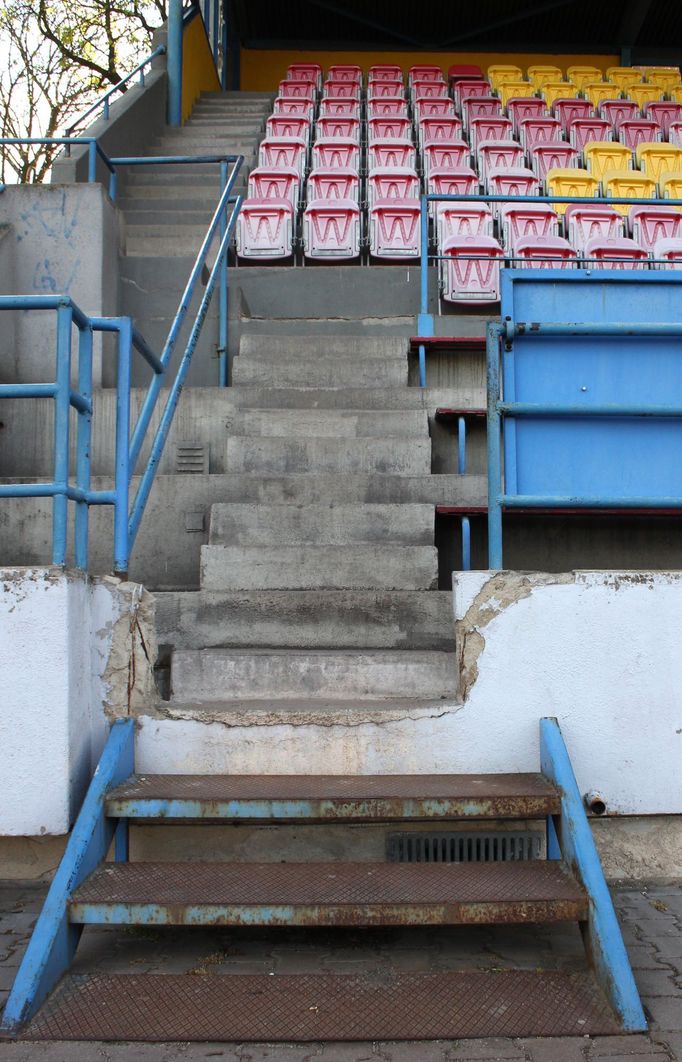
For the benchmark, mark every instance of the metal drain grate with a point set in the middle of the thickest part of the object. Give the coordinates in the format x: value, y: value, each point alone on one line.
x: 467, y: 847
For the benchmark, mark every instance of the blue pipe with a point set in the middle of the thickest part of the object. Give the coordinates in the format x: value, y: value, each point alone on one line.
x: 466, y: 544
x: 122, y: 464
x: 494, y: 448
x: 224, y: 365
x: 83, y: 443
x: 60, y: 508
x: 596, y: 501
x: 174, y: 64
x: 461, y: 446
x: 663, y: 329
x: 34, y: 390
x: 539, y: 409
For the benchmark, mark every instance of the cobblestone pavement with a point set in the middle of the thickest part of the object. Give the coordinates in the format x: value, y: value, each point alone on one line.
x: 651, y: 917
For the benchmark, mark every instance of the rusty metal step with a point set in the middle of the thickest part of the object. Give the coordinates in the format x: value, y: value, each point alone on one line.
x: 323, y: 798
x: 301, y: 1008
x: 328, y: 894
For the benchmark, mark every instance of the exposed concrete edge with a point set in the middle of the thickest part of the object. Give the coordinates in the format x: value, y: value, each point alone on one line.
x: 242, y: 715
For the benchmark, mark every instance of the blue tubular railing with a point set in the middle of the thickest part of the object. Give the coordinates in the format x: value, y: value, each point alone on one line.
x: 128, y: 449
x: 425, y: 327
x: 94, y: 150
x: 104, y: 100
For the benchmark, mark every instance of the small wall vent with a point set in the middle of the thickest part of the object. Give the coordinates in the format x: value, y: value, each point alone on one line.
x: 463, y: 847
x: 191, y: 457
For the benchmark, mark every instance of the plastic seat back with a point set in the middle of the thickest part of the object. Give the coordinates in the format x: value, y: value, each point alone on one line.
x: 583, y: 130
x: 594, y: 220
x: 623, y: 76
x: 664, y: 77
x: 387, y: 107
x: 347, y: 72
x: 521, y: 220
x: 512, y: 181
x: 656, y: 160
x: 290, y: 105
x: 282, y: 183
x: 664, y: 113
x: 394, y: 228
x: 534, y: 131
x: 635, y: 131
x: 558, y: 90
x: 431, y: 130
x: 596, y: 91
x: 428, y: 90
x: 298, y: 90
x: 644, y: 94
x: 339, y: 109
x: 379, y: 90
x: 333, y: 184
x: 648, y: 224
x: 392, y: 127
x: 493, y: 127
x: 601, y: 157
x: 618, y: 252
x: 340, y: 90
x: 539, y: 74
x: 279, y: 125
x: 616, y: 111
x: 480, y: 107
x: 265, y: 229
x: 392, y: 153
x: 290, y: 152
x: 572, y: 182
x: 628, y: 183
x: 332, y: 152
x: 501, y: 73
x: 440, y: 108
x: 470, y: 273
x: 544, y: 252
x: 582, y: 75
x: 555, y: 155
x: 339, y: 126
x: 465, y: 72
x: 384, y: 72
x: 671, y: 251
x: 493, y: 154
x: 463, y: 219
x: 424, y: 72
x: 570, y: 109
x: 515, y: 90
x: 392, y: 184
x: 457, y: 181
x: 675, y: 133
x: 470, y: 89
x: 305, y: 72
x: 450, y: 154
x: 520, y: 108
x: 331, y: 229
x: 671, y: 186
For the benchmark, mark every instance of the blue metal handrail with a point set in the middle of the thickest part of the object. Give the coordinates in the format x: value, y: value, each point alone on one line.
x: 127, y: 518
x: 120, y: 86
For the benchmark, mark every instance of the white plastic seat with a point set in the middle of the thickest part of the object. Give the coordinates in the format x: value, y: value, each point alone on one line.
x: 544, y: 252
x: 335, y: 183
x: 556, y: 154
x: 281, y: 183
x: 534, y: 131
x: 265, y: 229
x: 335, y: 152
x: 393, y: 153
x: 649, y: 224
x: 446, y: 154
x: 511, y: 181
x: 670, y: 249
x: 615, y: 253
x: 334, y: 125
x: 592, y: 221
x: 340, y: 109
x: 331, y: 229
x: 389, y: 127
x: 462, y: 219
x: 582, y: 130
x: 394, y: 228
x: 521, y: 220
x: 288, y: 125
x: 275, y: 152
x: 523, y: 107
x: 390, y: 183
x: 495, y: 153
x: 387, y: 107
x: 470, y: 270
x: 492, y: 127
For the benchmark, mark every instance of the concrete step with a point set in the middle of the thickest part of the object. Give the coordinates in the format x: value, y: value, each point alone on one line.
x: 202, y: 141
x: 273, y: 370
x: 337, y: 525
x: 358, y: 401
x: 207, y: 675
x: 360, y: 566
x: 406, y: 457
x: 311, y: 345
x: 306, y: 619
x: 188, y: 172
x: 180, y: 181
x: 174, y: 217
x: 244, y: 125
x: 341, y: 423
x: 163, y: 197
x: 172, y: 239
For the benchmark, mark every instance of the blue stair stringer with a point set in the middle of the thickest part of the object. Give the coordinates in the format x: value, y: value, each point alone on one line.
x: 54, y: 940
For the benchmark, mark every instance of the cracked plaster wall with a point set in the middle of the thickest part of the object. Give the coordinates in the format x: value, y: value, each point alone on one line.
x: 74, y: 653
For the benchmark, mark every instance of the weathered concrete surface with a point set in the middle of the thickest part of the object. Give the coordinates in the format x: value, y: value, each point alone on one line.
x: 319, y: 370
x: 257, y: 525
x: 359, y: 566
x: 219, y: 674
x: 404, y: 457
x: 334, y: 619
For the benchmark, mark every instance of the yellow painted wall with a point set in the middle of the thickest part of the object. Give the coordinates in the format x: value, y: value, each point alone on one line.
x: 262, y: 70
x: 198, y: 69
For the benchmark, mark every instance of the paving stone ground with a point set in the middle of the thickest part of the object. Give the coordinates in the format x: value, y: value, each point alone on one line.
x: 651, y: 917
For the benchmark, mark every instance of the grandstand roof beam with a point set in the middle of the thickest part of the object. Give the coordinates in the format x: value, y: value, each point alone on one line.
x: 632, y: 20
x: 518, y: 16
x: 352, y: 16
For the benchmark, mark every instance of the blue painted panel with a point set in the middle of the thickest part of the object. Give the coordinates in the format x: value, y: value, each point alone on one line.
x: 596, y: 456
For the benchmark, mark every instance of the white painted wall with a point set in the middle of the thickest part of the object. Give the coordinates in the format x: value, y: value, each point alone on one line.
x: 600, y: 650
x: 65, y: 645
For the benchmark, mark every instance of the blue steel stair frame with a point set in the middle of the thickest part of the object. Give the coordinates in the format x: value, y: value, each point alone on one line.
x: 53, y: 943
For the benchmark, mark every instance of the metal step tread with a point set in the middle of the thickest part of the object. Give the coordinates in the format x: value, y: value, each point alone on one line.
x: 327, y: 1007
x: 344, y: 797
x: 328, y: 894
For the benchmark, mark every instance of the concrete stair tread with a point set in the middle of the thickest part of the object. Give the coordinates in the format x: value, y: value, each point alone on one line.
x: 340, y: 423
x: 329, y: 894
x: 301, y: 711
x: 274, y: 346
x: 328, y: 454
x: 324, y: 1007
x: 321, y: 525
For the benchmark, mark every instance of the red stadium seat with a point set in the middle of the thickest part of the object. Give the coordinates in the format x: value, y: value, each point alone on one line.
x: 392, y: 153
x: 493, y: 127
x: 463, y: 219
x: 300, y: 89
x: 338, y: 126
x: 615, y: 111
x: 670, y: 250
x: 431, y: 130
x: 592, y: 221
x: 340, y: 109
x: 550, y: 156
x: 471, y: 280
x: 331, y: 229
x: 522, y: 107
x: 510, y: 181
x: 384, y: 72
x: 534, y: 131
x: 465, y: 72
x: 287, y: 125
x: 664, y: 113
x: 345, y: 73
x: 615, y: 253
x: 394, y: 228
x: 582, y: 130
x: 377, y: 90
x: 493, y: 154
x: 265, y: 229
x: 393, y: 184
x: 634, y: 131
x: 544, y: 252
x: 388, y: 107
x: 340, y: 90
x: 521, y: 220
x: 282, y: 183
x: 448, y: 154
x: 462, y: 90
x: 424, y: 72
x: 302, y: 108
x: 675, y: 134
x: 335, y: 152
x: 433, y: 109
x: 568, y: 110
x: 461, y: 180
x: 428, y: 90
x: 391, y: 127
x: 648, y: 224
x: 305, y: 72
x: 283, y: 151
x: 334, y: 184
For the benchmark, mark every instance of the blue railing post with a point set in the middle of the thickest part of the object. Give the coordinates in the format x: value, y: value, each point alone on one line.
x: 92, y: 162
x: 224, y: 369
x: 494, y: 448
x: 425, y: 319
x: 466, y: 544
x: 62, y: 403
x: 122, y: 467
x: 174, y: 66
x: 83, y: 443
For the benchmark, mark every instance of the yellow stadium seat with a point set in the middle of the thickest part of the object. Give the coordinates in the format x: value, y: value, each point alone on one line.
x: 602, y: 156
x: 656, y: 160
x: 573, y: 182
x: 596, y: 91
x: 580, y: 75
x: 541, y: 74
x: 558, y: 90
x: 644, y: 93
x: 664, y: 77
x: 671, y: 186
x: 623, y: 76
x: 500, y: 73
x: 631, y: 183
x: 675, y: 93
x: 514, y: 89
